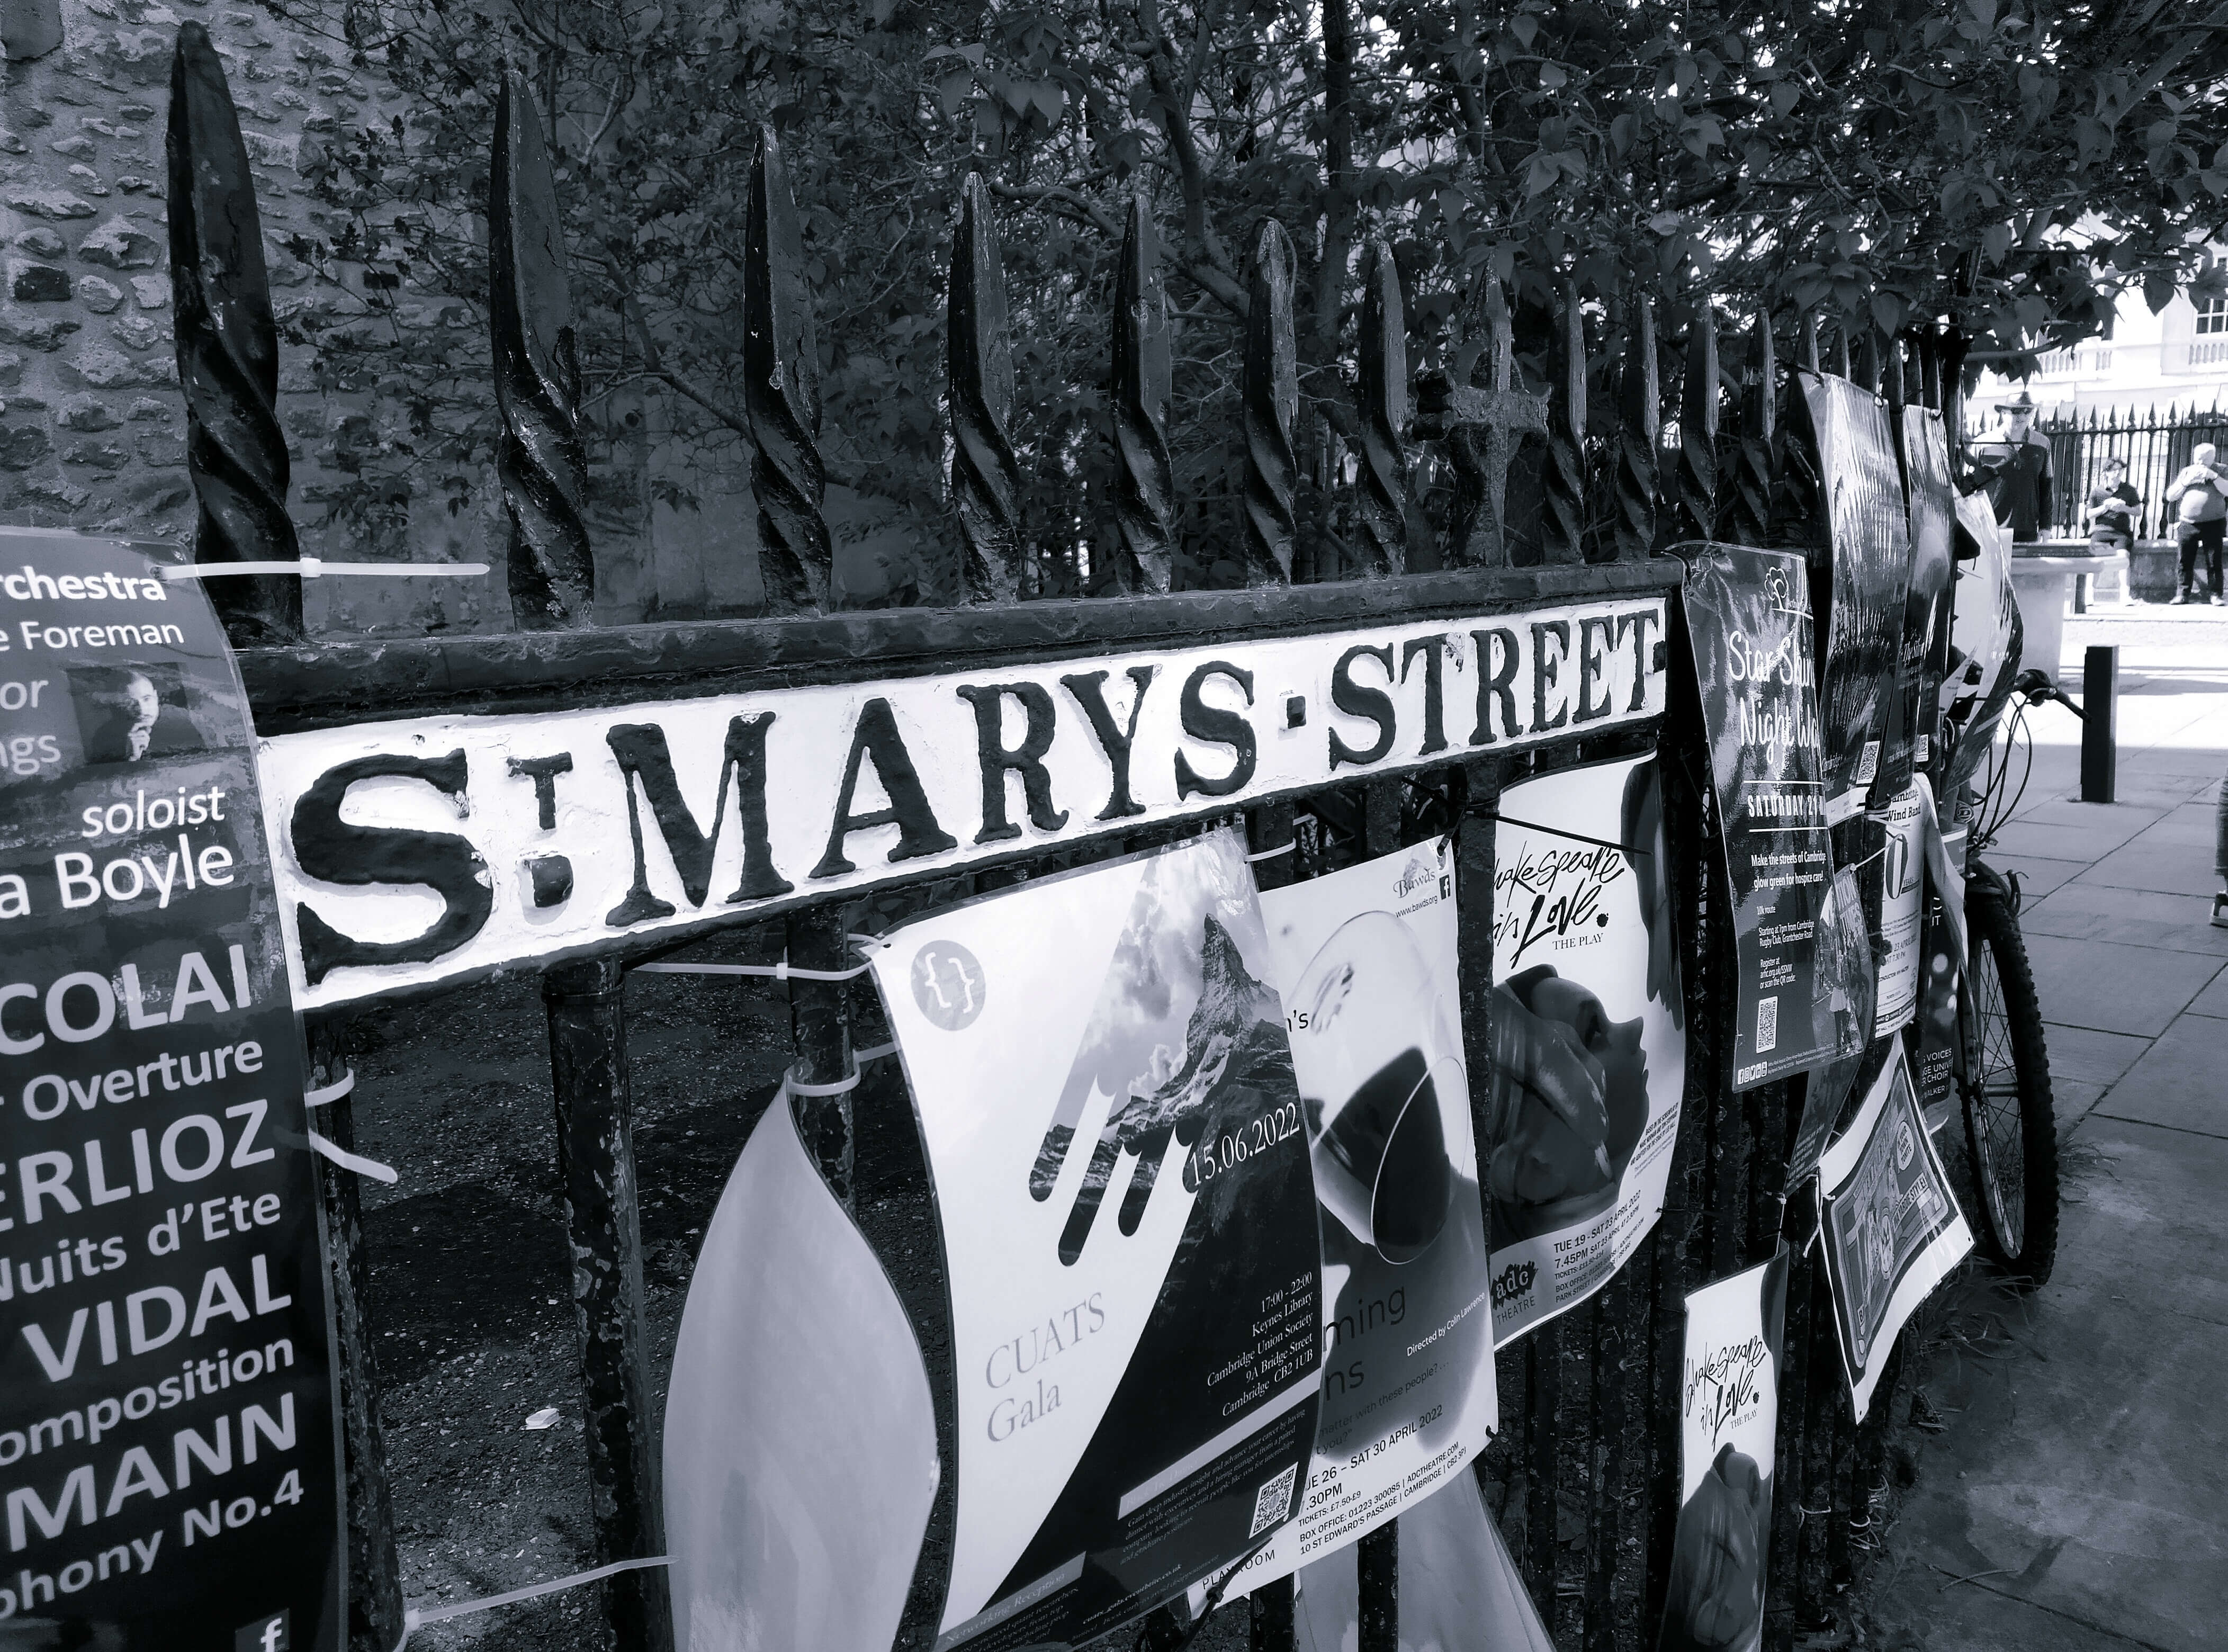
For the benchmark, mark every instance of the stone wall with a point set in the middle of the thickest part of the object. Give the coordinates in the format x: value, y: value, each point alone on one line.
x: 92, y: 421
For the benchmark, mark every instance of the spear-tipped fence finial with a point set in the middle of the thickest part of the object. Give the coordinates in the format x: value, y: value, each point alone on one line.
x: 1272, y: 400
x: 1144, y: 497
x: 1639, y: 421
x: 1694, y: 486
x: 1745, y: 515
x: 986, y: 478
x: 1563, y: 467
x: 1382, y: 497
x: 539, y: 460
x: 228, y: 345
x: 781, y: 393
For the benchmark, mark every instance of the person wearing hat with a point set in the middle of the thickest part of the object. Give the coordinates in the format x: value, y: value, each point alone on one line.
x: 2199, y: 496
x: 2016, y: 456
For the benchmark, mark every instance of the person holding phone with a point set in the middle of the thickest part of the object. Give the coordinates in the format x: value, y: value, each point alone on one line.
x: 2199, y: 496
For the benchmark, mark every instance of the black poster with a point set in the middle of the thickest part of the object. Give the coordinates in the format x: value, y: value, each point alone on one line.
x: 1749, y: 630
x: 1859, y: 571
x: 1848, y: 981
x: 168, y: 1455
x: 1925, y: 658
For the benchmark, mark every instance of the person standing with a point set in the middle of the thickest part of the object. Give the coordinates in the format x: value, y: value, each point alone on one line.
x: 2200, y: 496
x: 2017, y: 456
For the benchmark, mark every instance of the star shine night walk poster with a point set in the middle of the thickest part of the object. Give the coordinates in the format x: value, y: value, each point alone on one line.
x: 1589, y: 1035
x: 1728, y: 1438
x: 1893, y: 1229
x: 1366, y: 964
x: 1861, y: 574
x: 1119, y: 1158
x: 168, y: 1461
x: 1748, y: 631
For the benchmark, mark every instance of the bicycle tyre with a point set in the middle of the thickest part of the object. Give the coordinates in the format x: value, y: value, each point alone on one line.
x: 2011, y: 1131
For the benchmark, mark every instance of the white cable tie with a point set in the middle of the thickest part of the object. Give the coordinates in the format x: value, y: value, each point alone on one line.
x: 876, y: 1053
x: 842, y: 1086
x: 355, y: 1161
x: 314, y: 567
x: 332, y: 1093
x: 781, y: 971
x: 1270, y: 855
x: 416, y: 1617
x: 868, y: 943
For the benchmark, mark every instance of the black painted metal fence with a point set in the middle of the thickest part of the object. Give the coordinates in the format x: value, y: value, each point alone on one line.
x: 1550, y: 500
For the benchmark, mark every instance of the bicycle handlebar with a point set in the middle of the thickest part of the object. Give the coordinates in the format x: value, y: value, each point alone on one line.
x: 2035, y: 684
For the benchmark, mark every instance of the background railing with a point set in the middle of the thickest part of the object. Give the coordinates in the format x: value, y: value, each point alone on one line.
x: 1531, y: 496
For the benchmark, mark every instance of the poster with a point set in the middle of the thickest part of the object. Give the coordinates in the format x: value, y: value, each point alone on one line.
x: 168, y: 1455
x: 1892, y: 1232
x: 1858, y: 577
x: 1925, y: 659
x: 1847, y: 982
x: 1589, y: 1035
x: 1934, y: 1036
x: 1748, y: 627
x: 800, y: 1434
x: 1728, y: 1436
x: 1987, y: 637
x: 1365, y: 960
x: 1903, y: 887
x: 1119, y: 1158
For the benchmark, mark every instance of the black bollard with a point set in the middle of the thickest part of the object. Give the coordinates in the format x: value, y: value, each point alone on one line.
x: 2100, y: 757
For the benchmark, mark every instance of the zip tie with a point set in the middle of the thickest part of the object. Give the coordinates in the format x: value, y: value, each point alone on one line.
x: 312, y: 568
x: 866, y: 943
x: 355, y: 1161
x: 1270, y: 855
x: 876, y: 1053
x: 332, y: 1093
x: 781, y: 971
x: 842, y: 1086
x: 416, y: 1617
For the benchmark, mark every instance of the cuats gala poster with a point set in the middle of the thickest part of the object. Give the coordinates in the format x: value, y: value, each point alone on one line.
x: 169, y: 1463
x: 1118, y: 1155
x: 1589, y: 1035
x: 1748, y: 641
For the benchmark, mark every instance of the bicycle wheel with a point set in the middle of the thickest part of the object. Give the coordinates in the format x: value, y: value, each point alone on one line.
x: 2011, y: 1134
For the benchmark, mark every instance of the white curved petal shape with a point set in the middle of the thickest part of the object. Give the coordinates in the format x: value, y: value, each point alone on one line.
x: 800, y: 1440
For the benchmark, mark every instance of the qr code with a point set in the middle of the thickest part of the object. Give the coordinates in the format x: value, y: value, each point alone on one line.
x: 1767, y: 1025
x: 1272, y: 1500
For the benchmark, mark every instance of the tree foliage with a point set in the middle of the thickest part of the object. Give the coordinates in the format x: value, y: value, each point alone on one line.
x: 2001, y: 166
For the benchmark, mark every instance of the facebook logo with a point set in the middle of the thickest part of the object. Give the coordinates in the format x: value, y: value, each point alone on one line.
x: 274, y: 1634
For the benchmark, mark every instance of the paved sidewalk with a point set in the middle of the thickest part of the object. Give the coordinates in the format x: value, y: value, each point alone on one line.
x: 2079, y: 1495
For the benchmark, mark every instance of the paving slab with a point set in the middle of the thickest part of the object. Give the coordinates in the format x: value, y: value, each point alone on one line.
x: 2081, y: 1465
x: 2180, y: 1082
x: 2197, y: 762
x: 2171, y: 868
x: 2091, y: 912
x: 2038, y: 875
x: 2070, y: 1099
x: 2113, y: 825
x: 2086, y: 1056
x: 2111, y: 988
x: 2214, y: 1001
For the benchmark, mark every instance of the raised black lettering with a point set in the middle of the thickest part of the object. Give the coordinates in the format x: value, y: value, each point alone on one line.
x: 1355, y: 701
x: 1204, y: 723
x: 1643, y: 665
x: 1089, y: 688
x: 1495, y: 683
x: 877, y: 736
x: 1546, y: 670
x: 1593, y: 665
x: 332, y: 850
x: 645, y: 759
x: 1434, y: 650
x: 543, y: 772
x: 1027, y: 760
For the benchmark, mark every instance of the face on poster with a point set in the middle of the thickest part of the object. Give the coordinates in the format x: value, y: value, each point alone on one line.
x: 1589, y: 1035
x: 168, y: 1455
x: 1728, y: 1436
x: 1748, y: 624
x: 1866, y: 576
x: 1119, y: 1156
x: 1366, y: 964
x: 1903, y: 887
x: 1893, y: 1229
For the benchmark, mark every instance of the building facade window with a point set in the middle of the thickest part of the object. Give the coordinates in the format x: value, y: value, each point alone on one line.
x: 2212, y: 317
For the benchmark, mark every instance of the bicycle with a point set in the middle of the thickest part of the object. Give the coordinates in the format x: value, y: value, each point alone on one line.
x: 2001, y: 1064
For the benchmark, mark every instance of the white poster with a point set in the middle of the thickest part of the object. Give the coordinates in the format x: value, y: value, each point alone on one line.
x: 1893, y: 1229
x: 1119, y: 1159
x: 1589, y: 1035
x: 1366, y: 962
x: 1903, y: 887
x: 1728, y: 1438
